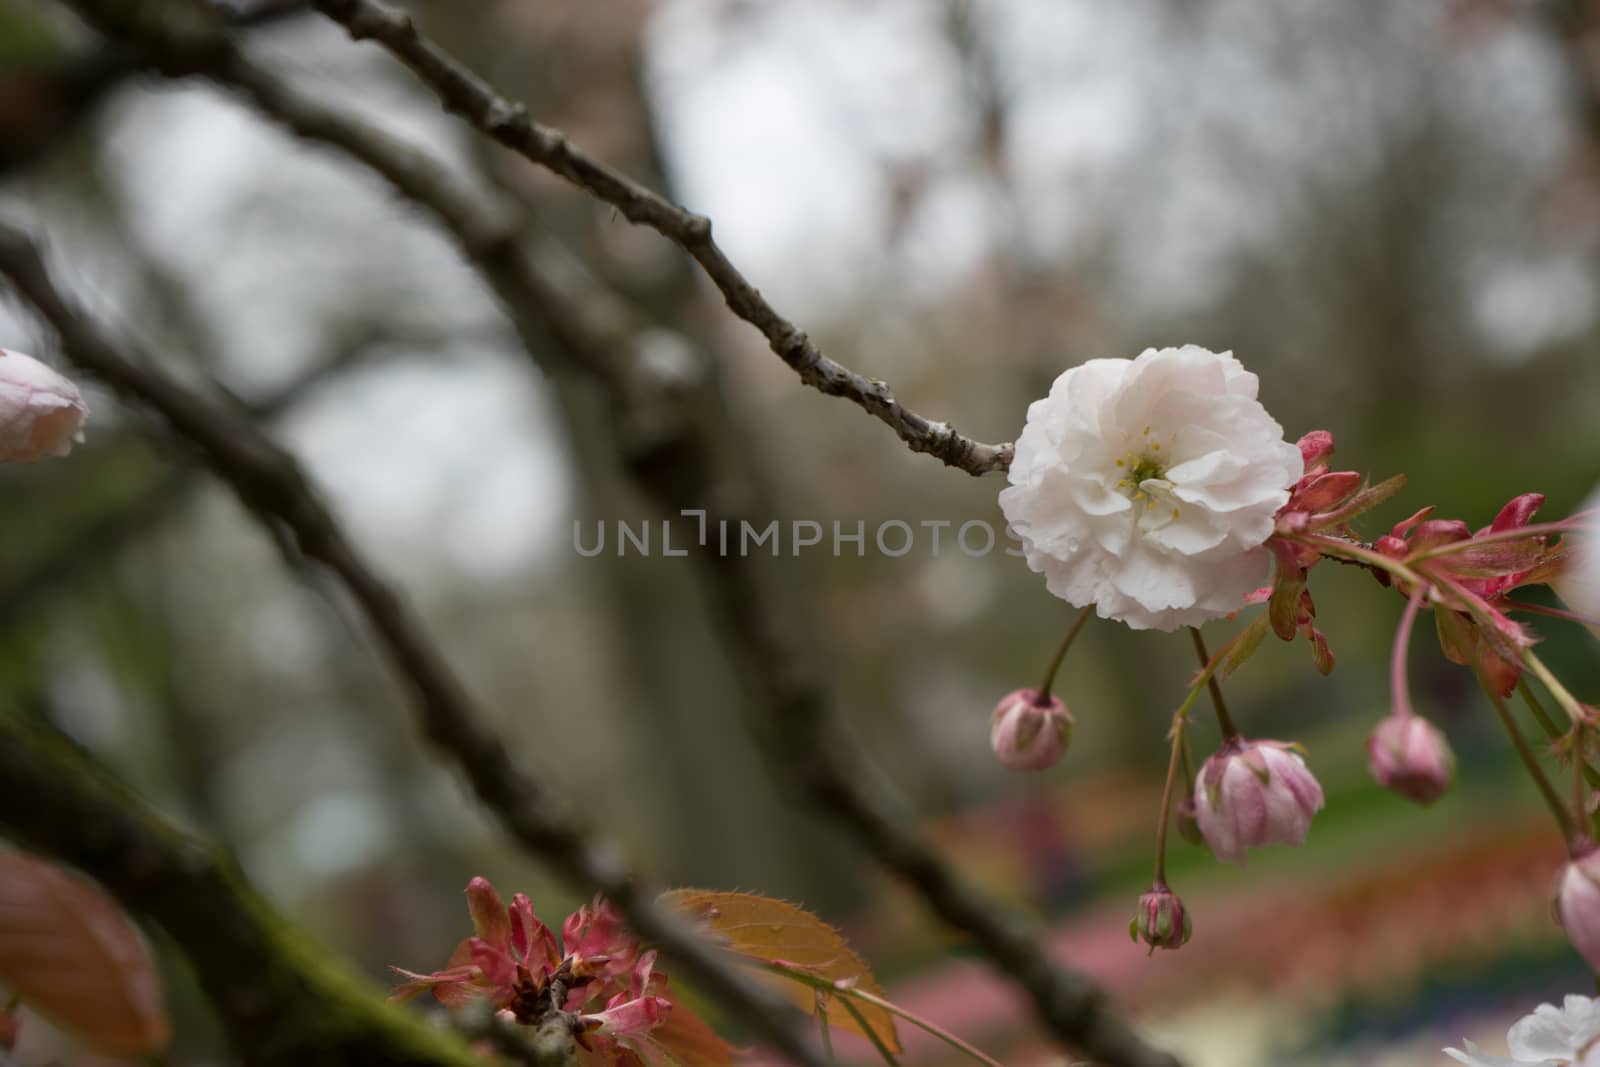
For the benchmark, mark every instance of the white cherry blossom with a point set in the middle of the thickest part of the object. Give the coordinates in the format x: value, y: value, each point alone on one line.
x: 1148, y: 487
x: 1568, y: 1036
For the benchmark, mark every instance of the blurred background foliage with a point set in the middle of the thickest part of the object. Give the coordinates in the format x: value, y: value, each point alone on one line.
x: 1388, y: 211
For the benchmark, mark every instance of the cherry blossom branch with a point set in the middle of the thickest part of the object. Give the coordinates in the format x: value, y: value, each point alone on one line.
x: 271, y: 484
x: 466, y: 94
x: 1068, y: 1003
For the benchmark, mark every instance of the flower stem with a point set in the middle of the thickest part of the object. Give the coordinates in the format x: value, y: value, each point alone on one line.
x: 822, y: 1022
x: 1178, y: 722
x: 1554, y: 613
x: 1224, y: 720
x: 1568, y: 702
x: 1041, y: 696
x: 1529, y: 760
x: 1399, y: 693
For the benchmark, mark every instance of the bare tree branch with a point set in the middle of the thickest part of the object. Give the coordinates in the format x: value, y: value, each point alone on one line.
x: 270, y: 482
x: 464, y: 93
x: 672, y: 464
x: 281, y: 1001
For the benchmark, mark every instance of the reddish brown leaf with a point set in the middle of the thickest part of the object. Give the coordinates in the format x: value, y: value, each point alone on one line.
x: 686, y: 1040
x: 773, y: 931
x: 70, y: 953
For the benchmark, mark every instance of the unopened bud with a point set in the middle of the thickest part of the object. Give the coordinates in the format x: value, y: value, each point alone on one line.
x: 41, y: 413
x: 1577, y: 903
x: 1161, y: 921
x: 1254, y: 793
x: 1026, y: 735
x: 1410, y: 756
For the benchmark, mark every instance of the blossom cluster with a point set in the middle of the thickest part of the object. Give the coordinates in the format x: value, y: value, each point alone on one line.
x: 1158, y: 492
x: 595, y: 976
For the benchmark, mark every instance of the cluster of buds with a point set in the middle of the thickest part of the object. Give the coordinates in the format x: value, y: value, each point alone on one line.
x: 595, y: 976
x: 1253, y: 793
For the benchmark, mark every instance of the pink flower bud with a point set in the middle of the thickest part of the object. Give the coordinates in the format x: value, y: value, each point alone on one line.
x: 1577, y: 903
x: 1027, y: 736
x: 1410, y: 756
x: 41, y: 413
x: 1254, y: 793
x: 1161, y: 921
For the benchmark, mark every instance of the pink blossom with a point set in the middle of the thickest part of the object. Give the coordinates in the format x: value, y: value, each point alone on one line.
x: 597, y: 975
x: 41, y: 413
x: 1577, y: 903
x: 1410, y: 756
x: 1254, y: 793
x: 1027, y: 735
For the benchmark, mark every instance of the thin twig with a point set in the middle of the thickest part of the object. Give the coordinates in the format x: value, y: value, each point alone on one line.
x: 507, y: 122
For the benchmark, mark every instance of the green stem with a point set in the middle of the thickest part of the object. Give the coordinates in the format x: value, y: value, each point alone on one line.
x: 1531, y: 762
x: 922, y: 1024
x: 872, y: 1035
x: 1224, y: 720
x: 1041, y: 696
x: 827, y: 987
x: 1166, y: 800
x: 822, y: 1019
x: 1568, y: 702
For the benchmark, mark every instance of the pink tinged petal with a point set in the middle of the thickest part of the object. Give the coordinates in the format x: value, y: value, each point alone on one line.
x: 1549, y: 1033
x: 1516, y: 514
x: 41, y: 412
x: 1473, y: 1057
x: 1406, y: 525
x: 532, y: 941
x: 623, y: 1017
x: 489, y: 918
x: 499, y: 972
x: 1093, y: 498
x: 1315, y: 447
x: 422, y: 983
x: 1327, y: 490
x: 1578, y: 907
x: 1432, y: 533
